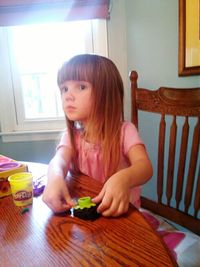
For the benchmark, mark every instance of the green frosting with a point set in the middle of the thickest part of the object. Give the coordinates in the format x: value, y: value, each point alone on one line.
x: 84, y: 202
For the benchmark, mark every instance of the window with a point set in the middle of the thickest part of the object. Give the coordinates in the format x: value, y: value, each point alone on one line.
x: 30, y: 57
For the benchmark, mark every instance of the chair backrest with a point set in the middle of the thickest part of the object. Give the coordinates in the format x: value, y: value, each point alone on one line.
x: 178, y: 191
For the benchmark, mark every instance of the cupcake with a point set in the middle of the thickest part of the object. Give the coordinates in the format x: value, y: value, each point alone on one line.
x: 85, y: 209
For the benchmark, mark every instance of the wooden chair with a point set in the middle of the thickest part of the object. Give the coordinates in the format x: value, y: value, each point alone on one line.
x: 185, y: 182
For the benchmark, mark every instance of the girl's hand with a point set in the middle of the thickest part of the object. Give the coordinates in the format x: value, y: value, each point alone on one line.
x: 56, y: 195
x: 114, y: 196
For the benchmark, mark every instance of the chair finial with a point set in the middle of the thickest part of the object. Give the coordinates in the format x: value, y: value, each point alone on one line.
x: 133, y: 76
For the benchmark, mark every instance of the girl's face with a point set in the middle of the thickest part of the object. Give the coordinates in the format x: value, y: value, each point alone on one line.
x: 76, y: 100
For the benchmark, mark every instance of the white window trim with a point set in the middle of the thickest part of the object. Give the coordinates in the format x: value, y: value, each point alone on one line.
x: 116, y: 49
x: 7, y: 108
x: 27, y: 136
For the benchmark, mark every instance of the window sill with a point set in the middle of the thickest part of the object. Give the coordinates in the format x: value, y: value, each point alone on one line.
x: 27, y: 136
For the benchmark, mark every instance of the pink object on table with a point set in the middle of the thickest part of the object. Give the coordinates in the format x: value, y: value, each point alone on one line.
x: 4, y: 159
x: 6, y: 166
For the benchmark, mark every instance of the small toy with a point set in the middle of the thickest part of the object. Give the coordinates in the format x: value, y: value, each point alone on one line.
x: 25, y: 210
x: 85, y: 209
x: 38, y: 186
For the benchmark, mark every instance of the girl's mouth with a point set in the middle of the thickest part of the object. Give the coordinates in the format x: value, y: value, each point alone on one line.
x: 70, y: 108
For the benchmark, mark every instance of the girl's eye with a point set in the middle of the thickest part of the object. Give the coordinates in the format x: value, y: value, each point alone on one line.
x: 82, y: 87
x: 63, y: 90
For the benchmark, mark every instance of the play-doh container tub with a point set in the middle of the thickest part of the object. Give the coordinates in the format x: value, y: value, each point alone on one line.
x: 22, y: 188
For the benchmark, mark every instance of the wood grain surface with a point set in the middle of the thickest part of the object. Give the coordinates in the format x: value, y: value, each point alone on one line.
x: 41, y: 238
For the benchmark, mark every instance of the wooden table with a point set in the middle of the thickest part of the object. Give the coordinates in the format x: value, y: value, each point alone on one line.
x: 41, y: 238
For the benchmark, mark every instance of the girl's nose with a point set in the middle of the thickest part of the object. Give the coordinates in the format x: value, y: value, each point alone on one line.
x: 69, y: 96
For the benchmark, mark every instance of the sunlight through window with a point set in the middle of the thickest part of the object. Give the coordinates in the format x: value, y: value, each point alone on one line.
x: 30, y: 58
x: 38, y: 51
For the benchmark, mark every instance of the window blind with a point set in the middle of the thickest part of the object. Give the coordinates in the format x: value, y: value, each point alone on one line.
x: 17, y: 12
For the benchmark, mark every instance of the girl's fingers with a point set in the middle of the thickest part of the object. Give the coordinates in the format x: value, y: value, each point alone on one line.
x: 69, y: 201
x: 116, y: 209
x: 105, y: 204
x: 99, y: 197
x: 58, y: 206
x: 123, y: 208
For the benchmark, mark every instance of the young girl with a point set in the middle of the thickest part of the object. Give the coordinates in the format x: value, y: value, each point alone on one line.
x: 97, y: 142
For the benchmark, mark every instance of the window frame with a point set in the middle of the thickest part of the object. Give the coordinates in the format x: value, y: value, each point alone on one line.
x: 11, y: 130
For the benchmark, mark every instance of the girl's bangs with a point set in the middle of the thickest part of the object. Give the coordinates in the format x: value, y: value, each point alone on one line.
x: 75, y: 71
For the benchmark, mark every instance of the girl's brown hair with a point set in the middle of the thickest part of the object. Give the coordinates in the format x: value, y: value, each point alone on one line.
x: 107, y: 109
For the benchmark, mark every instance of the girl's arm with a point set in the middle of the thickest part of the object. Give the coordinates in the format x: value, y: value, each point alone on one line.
x: 141, y: 169
x: 56, y: 194
x: 114, y: 196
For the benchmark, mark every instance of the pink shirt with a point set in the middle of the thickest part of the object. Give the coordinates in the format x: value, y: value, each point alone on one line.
x: 90, y: 157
